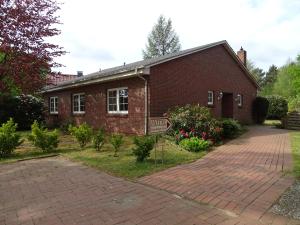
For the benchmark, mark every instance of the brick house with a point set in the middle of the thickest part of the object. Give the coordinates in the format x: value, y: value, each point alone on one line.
x: 122, y: 99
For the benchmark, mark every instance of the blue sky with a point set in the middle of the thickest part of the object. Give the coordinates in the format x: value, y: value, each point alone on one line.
x: 103, y: 34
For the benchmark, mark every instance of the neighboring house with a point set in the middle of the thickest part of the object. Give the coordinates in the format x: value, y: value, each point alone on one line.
x: 55, y: 79
x: 122, y: 99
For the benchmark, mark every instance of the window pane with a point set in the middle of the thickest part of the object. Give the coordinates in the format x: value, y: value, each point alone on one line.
x: 51, y: 104
x: 112, y: 100
x: 55, y: 104
x: 210, y: 97
x: 112, y: 94
x: 123, y: 100
x: 112, y: 107
x: 75, y: 103
x: 82, y: 103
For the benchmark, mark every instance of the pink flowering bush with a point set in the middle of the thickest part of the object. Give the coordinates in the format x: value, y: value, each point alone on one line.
x: 195, y: 121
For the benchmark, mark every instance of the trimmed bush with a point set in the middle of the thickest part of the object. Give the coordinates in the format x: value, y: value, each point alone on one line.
x: 231, y: 128
x: 194, y: 144
x: 24, y: 109
x: 9, y: 138
x: 144, y: 145
x: 260, y: 109
x: 278, y: 107
x: 42, y: 138
x: 116, y: 141
x: 83, y: 134
x: 98, y: 140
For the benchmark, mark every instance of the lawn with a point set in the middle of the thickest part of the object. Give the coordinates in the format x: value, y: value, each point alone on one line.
x: 295, y: 136
x: 272, y: 122
x: 124, y: 165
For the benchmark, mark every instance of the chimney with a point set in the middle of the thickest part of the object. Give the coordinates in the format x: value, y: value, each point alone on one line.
x: 79, y: 73
x: 242, y: 54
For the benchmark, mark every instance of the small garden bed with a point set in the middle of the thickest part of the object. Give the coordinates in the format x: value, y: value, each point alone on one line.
x: 194, y: 132
x: 124, y: 165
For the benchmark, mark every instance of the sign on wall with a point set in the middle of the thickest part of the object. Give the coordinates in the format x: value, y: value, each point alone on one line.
x: 159, y: 125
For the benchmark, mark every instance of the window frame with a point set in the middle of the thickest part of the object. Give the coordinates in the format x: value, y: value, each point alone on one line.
x: 210, y: 103
x: 79, y: 105
x: 118, y: 100
x: 240, y: 100
x: 55, y: 109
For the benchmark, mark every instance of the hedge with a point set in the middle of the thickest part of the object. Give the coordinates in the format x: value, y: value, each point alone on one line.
x: 24, y: 110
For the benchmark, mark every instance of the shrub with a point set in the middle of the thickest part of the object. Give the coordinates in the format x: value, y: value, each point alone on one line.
x: 260, y: 108
x: 116, y: 141
x: 42, y: 138
x: 231, y: 128
x: 98, y: 139
x: 82, y: 133
x: 188, y: 117
x: 9, y: 138
x: 194, y: 121
x: 278, y: 107
x: 24, y: 109
x: 144, y: 145
x: 194, y: 144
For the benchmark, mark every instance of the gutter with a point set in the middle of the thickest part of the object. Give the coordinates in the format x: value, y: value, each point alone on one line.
x: 146, y: 101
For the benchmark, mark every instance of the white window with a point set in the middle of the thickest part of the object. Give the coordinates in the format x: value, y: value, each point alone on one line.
x: 53, y: 105
x: 239, y: 100
x: 210, y: 98
x: 79, y: 103
x: 117, y: 100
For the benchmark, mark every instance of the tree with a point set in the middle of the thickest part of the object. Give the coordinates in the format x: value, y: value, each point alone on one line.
x: 287, y: 83
x: 162, y: 40
x: 270, y: 78
x: 25, y: 57
x: 271, y: 75
x: 258, y: 73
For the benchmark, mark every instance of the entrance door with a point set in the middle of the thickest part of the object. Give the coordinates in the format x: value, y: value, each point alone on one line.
x: 227, y: 105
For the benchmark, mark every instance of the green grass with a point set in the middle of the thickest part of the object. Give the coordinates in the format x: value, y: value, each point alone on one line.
x: 124, y: 165
x: 272, y: 122
x: 295, y: 136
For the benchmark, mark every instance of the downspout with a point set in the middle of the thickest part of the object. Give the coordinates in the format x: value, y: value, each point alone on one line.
x: 146, y: 100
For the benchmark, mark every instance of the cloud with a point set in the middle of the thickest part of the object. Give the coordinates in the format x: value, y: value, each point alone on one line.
x: 108, y: 33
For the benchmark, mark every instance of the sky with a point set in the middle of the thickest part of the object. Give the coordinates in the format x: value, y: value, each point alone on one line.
x: 99, y: 34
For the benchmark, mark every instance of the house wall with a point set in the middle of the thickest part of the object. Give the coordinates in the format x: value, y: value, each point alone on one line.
x: 188, y: 79
x: 96, y: 107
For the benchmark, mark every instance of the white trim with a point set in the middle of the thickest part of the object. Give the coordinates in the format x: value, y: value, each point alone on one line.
x: 78, y: 112
x: 240, y: 100
x: 118, y: 103
x: 212, y: 100
x: 55, y: 111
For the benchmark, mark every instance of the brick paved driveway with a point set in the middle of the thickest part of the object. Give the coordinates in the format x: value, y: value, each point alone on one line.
x: 55, y: 191
x: 244, y: 176
x: 239, y: 181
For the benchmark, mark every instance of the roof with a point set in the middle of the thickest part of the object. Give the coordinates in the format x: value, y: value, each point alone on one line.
x: 113, y: 73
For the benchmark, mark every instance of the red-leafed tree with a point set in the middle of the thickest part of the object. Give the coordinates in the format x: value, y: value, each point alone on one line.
x: 25, y: 56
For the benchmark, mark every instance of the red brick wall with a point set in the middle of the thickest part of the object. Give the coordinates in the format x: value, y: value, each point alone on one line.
x: 96, y: 106
x: 188, y: 79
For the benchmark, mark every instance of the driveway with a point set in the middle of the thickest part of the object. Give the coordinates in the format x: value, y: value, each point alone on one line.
x: 244, y: 176
x: 235, y: 184
x: 55, y: 191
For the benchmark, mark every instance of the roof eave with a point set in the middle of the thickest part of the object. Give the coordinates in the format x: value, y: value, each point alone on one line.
x: 118, y: 76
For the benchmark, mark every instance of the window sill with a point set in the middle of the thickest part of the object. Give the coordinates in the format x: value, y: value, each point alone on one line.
x: 53, y: 113
x: 121, y: 115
